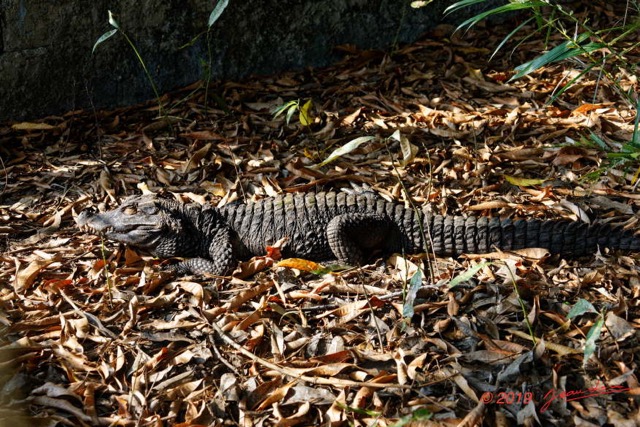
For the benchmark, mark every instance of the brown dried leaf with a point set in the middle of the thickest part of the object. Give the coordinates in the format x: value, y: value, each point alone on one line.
x: 248, y: 294
x: 275, y: 396
x: 196, y: 158
x: 254, y: 265
x: 618, y: 327
x: 352, y: 310
x: 203, y: 135
x: 25, y: 277
x: 28, y: 126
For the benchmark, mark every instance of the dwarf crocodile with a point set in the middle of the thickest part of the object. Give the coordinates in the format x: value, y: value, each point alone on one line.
x: 350, y: 228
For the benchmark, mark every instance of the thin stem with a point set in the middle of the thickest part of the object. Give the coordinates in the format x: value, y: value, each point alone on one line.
x: 146, y: 71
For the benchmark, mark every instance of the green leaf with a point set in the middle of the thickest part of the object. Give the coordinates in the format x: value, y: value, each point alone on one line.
x: 570, y: 83
x: 102, y: 38
x: 414, y: 284
x: 508, y: 37
x: 360, y: 411
x: 347, y: 148
x: 292, y: 109
x: 636, y: 127
x: 467, y: 275
x: 191, y: 43
x: 421, y: 414
x: 305, y: 115
x: 597, y: 140
x: 217, y: 11
x: 281, y: 109
x: 592, y: 337
x: 461, y: 5
x: 581, y: 307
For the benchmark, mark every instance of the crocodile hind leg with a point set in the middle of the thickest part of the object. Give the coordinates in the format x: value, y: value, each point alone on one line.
x: 355, y: 237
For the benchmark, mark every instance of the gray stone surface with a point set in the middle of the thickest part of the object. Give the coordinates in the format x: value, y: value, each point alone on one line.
x: 46, y: 64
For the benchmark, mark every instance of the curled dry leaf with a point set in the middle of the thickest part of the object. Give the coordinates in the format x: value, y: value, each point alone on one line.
x: 350, y: 311
x: 254, y: 265
x: 26, y: 276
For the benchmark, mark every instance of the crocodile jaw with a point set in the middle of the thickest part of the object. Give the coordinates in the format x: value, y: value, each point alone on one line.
x: 137, y: 222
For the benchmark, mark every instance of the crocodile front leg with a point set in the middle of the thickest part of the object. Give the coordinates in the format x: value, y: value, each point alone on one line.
x: 216, y: 258
x: 200, y: 267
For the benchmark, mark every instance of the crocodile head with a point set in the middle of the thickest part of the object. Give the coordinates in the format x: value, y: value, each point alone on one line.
x: 146, y: 222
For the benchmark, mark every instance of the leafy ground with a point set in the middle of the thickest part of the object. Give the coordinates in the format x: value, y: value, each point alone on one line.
x: 97, y: 334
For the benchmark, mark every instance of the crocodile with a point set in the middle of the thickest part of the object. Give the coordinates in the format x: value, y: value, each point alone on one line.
x: 349, y: 228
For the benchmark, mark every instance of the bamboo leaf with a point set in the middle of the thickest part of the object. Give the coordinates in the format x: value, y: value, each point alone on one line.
x: 508, y: 37
x: 564, y: 50
x: 511, y: 7
x: 461, y: 5
x: 217, y: 11
x: 102, y: 38
x: 570, y: 83
x: 347, y: 148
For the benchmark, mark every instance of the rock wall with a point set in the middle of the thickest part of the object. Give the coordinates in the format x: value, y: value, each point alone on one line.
x: 47, y: 65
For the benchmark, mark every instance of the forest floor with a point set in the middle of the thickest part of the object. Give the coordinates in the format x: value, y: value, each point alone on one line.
x: 98, y: 334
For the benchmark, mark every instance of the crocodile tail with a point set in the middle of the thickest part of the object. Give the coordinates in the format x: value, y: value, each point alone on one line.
x: 456, y: 235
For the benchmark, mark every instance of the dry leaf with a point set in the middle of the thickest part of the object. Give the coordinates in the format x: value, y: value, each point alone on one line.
x: 26, y: 276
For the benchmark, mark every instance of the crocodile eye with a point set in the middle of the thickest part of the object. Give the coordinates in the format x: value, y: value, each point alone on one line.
x: 149, y: 209
x: 130, y: 210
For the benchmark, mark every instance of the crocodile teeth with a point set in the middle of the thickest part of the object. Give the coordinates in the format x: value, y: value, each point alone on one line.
x: 87, y: 228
